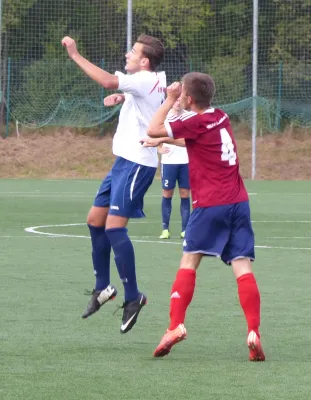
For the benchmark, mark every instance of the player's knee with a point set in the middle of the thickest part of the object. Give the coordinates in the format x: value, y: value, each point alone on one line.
x: 190, y: 260
x: 184, y: 193
x: 97, y: 216
x: 168, y: 193
x: 90, y: 220
x: 116, y: 221
x: 241, y: 266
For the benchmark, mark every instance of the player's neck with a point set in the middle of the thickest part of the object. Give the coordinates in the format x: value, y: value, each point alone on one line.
x: 198, y: 110
x: 145, y: 69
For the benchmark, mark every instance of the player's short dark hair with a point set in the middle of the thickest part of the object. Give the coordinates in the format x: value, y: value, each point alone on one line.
x: 153, y: 49
x: 200, y: 87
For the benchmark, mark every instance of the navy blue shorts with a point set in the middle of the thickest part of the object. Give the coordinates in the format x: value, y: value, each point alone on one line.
x: 221, y: 231
x: 124, y: 188
x: 175, y: 172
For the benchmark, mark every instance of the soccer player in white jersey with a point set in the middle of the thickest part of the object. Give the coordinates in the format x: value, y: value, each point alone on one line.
x: 121, y: 193
x: 174, y: 168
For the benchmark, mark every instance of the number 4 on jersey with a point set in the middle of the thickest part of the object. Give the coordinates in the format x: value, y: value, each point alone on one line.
x: 227, y: 147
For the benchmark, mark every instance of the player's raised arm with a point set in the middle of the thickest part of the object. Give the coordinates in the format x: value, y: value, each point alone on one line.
x: 103, y: 78
x: 157, y: 128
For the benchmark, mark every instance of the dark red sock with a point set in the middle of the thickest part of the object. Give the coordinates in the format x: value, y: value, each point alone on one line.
x: 181, y: 296
x: 250, y: 301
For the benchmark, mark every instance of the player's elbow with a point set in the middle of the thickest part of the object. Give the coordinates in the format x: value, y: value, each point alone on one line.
x: 153, y: 133
x: 156, y: 131
x: 111, y: 83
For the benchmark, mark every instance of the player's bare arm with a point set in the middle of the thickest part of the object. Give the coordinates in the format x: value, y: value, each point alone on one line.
x: 103, y: 78
x: 157, y: 142
x: 114, y: 99
x: 176, y: 142
x: 156, y: 128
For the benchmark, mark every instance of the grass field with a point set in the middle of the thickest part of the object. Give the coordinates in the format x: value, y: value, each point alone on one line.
x: 48, y: 352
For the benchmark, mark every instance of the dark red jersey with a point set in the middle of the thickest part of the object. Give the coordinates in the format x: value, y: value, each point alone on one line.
x: 213, y: 161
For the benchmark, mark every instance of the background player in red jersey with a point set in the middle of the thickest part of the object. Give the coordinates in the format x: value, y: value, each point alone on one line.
x: 220, y: 223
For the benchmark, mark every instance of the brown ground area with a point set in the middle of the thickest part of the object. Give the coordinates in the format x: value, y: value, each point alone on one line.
x: 65, y: 154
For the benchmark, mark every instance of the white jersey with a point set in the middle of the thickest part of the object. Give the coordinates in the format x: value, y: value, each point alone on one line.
x: 144, y: 92
x: 176, y: 155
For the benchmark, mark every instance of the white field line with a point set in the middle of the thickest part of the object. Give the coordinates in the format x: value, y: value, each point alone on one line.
x: 253, y: 222
x: 44, y: 192
x: 287, y: 237
x: 39, y: 192
x: 71, y: 195
x: 20, y: 236
x: 282, y: 222
x: 35, y: 230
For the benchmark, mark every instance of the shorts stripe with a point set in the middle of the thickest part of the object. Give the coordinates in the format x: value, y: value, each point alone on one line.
x: 133, y: 183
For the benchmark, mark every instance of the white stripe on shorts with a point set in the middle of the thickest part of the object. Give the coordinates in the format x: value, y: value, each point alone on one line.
x: 133, y: 183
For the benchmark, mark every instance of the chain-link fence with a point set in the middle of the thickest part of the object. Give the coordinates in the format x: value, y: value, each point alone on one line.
x: 40, y: 86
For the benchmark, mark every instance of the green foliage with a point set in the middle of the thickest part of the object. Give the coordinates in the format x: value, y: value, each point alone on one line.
x: 229, y: 77
x: 60, y: 81
x: 15, y: 10
x: 214, y: 36
x: 172, y: 22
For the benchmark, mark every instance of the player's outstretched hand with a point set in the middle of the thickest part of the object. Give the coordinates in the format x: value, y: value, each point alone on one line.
x: 113, y: 100
x: 174, y: 91
x: 151, y: 142
x: 70, y: 46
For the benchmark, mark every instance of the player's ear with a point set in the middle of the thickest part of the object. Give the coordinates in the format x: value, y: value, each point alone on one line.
x: 144, y: 62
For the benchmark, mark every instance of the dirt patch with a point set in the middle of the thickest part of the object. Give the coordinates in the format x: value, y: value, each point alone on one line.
x: 65, y: 154
x: 62, y: 154
x: 277, y: 158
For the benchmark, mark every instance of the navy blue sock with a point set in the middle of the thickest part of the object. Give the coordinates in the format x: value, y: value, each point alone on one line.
x: 101, y: 256
x: 125, y: 261
x: 184, y: 212
x: 166, y: 211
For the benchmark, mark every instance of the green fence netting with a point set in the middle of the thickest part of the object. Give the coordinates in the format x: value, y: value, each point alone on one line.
x: 40, y: 86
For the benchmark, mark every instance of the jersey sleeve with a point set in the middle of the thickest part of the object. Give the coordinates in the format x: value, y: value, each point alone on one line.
x: 184, y: 126
x: 139, y: 84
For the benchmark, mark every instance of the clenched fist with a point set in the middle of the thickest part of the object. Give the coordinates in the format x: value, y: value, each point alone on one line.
x: 113, y: 100
x: 174, y: 91
x: 70, y: 45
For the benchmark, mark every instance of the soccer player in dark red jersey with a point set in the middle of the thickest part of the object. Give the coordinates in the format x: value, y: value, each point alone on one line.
x: 220, y: 223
